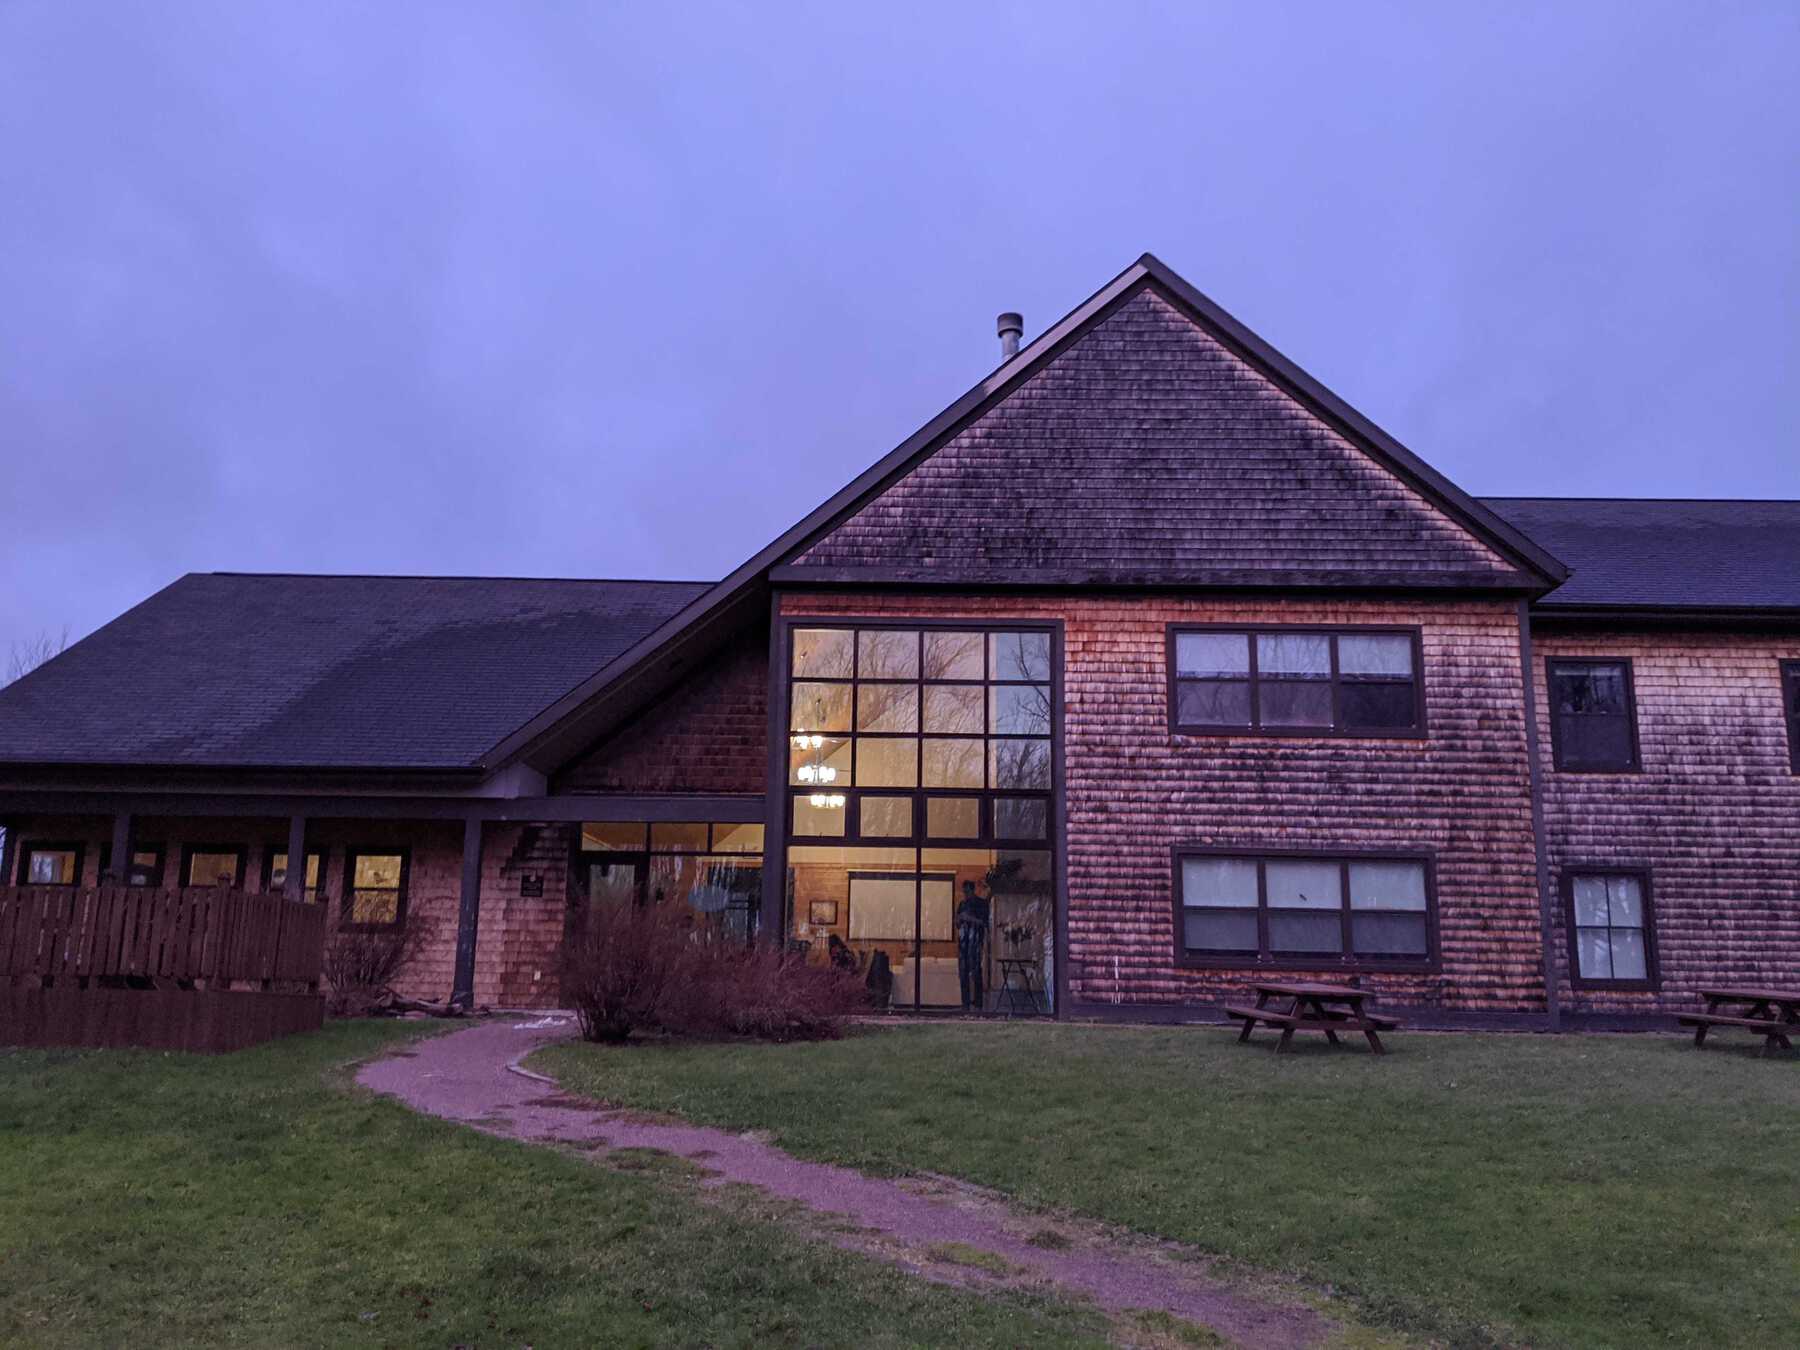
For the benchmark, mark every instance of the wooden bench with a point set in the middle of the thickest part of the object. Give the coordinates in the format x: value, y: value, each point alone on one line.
x: 1774, y: 1034
x: 1379, y: 1021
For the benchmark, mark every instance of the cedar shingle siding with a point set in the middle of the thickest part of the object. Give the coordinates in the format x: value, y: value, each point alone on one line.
x: 708, y: 734
x: 1713, y: 815
x: 1149, y: 450
x: 1135, y: 790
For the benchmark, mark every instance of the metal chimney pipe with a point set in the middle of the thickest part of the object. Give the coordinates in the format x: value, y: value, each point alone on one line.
x: 1011, y: 328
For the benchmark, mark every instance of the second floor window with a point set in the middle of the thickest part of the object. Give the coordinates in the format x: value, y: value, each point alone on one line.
x: 1593, y: 726
x: 1296, y: 682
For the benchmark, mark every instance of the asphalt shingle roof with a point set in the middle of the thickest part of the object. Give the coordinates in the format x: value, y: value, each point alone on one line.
x: 1665, y: 553
x: 235, y: 670
x: 224, y: 669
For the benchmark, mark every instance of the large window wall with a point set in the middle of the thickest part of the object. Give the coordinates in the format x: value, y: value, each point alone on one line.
x: 920, y: 790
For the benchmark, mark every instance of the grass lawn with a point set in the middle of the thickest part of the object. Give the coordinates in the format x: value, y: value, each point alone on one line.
x: 259, y: 1199
x: 1589, y: 1191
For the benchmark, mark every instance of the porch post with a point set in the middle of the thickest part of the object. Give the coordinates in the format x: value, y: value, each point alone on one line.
x: 121, y: 848
x: 9, y: 850
x: 293, y: 886
x: 468, y: 918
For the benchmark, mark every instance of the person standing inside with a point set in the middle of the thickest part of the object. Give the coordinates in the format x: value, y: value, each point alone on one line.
x: 972, y: 917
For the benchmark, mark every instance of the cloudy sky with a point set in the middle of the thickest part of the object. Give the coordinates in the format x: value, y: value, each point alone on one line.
x: 623, y: 290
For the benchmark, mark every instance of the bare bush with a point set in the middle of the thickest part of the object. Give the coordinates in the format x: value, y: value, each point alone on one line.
x: 622, y: 965
x: 360, y: 965
x: 651, y: 968
x: 765, y: 992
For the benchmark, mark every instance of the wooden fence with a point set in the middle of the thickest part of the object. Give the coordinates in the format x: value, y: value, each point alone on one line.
x: 173, y: 970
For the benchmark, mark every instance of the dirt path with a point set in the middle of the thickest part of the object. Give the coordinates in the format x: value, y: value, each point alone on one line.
x: 936, y: 1227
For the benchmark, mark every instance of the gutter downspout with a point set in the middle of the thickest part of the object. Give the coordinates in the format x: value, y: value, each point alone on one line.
x: 1546, y: 907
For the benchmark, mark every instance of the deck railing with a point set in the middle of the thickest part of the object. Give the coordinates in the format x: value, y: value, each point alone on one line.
x: 193, y: 969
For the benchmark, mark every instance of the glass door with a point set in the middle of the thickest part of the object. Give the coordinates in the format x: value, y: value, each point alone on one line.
x: 606, y: 879
x: 614, y: 879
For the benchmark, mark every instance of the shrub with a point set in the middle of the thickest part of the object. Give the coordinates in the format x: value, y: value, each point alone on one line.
x: 360, y: 965
x: 767, y: 993
x: 651, y: 968
x: 621, y: 965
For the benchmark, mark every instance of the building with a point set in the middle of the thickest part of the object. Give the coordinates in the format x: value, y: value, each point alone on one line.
x: 1191, y: 669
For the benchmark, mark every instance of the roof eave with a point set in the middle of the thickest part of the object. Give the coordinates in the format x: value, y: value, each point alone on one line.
x: 1662, y: 615
x: 25, y: 774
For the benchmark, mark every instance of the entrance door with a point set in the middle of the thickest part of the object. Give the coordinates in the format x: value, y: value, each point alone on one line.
x: 613, y: 878
x: 602, y: 879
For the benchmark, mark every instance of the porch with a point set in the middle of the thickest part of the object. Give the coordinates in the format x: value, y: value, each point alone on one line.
x: 484, y: 888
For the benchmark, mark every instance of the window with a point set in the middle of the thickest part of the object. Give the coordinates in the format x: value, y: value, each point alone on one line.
x: 910, y: 734
x: 921, y: 773
x: 275, y: 873
x: 1312, y: 912
x: 715, y: 868
x: 375, y: 888
x: 1610, y: 929
x: 146, y: 867
x: 50, y: 865
x: 212, y: 865
x: 1592, y: 724
x: 1294, y: 682
x: 1790, y: 700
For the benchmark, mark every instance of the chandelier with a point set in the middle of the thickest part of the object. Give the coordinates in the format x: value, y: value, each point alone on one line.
x: 816, y: 772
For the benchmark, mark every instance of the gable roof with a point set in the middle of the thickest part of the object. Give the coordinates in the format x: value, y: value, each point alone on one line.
x: 1667, y: 554
x: 1160, y: 443
x: 566, y: 726
x: 235, y: 670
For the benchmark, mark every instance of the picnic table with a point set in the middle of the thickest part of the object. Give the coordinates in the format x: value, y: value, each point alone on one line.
x: 1309, y: 1006
x: 1773, y: 1014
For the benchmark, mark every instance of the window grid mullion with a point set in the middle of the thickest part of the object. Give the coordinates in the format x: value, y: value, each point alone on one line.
x: 1344, y: 906
x: 1263, y: 945
x: 1331, y: 648
x: 1255, y: 684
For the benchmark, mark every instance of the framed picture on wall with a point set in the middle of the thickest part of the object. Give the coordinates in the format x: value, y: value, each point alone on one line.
x: 823, y: 913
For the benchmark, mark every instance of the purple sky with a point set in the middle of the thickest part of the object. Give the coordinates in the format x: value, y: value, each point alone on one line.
x: 596, y: 290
